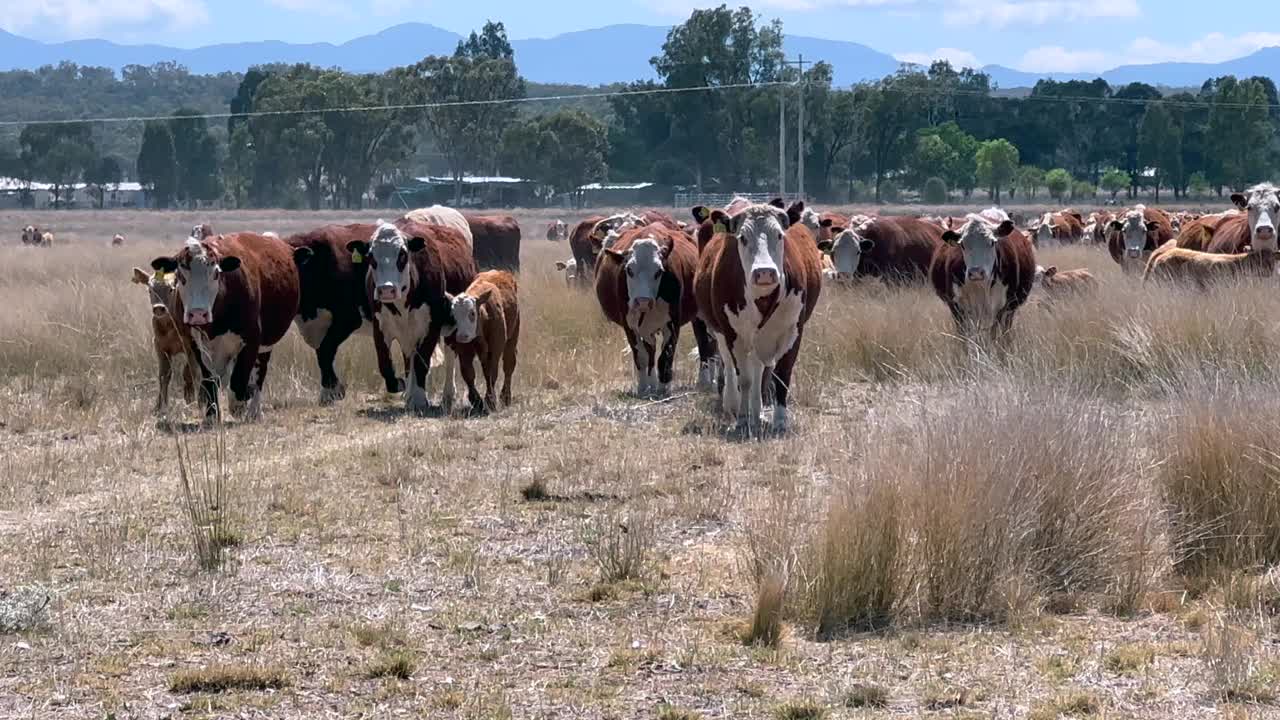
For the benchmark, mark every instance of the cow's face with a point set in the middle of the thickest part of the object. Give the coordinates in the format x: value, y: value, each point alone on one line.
x: 1043, y: 273
x: 465, y: 310
x: 198, y: 270
x: 977, y: 240
x: 569, y: 268
x: 1136, y: 231
x: 29, y: 234
x: 644, y: 263
x: 760, y: 232
x: 846, y: 249
x: 1263, y: 206
x: 160, y: 288
x: 387, y: 257
x: 1044, y: 233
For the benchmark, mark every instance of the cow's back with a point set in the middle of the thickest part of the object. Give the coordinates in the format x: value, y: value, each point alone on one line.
x: 442, y: 216
x: 1231, y: 237
x: 1017, y: 258
x: 268, y: 268
x: 330, y: 278
x: 1164, y: 233
x: 445, y: 263
x: 902, y: 249
x: 1195, y: 235
x: 495, y: 242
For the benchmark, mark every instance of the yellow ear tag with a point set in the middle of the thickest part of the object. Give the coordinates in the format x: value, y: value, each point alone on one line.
x: 704, y: 214
x: 356, y: 257
x: 719, y: 228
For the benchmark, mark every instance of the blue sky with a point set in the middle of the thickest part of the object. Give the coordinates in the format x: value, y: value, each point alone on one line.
x: 1034, y: 35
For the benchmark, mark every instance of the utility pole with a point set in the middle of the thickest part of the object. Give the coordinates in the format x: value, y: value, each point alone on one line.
x: 799, y: 63
x: 800, y: 135
x: 782, y: 143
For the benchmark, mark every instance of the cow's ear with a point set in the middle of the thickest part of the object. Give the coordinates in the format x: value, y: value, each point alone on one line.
x: 302, y: 256
x: 795, y: 212
x: 1239, y: 200
x: 229, y: 264
x: 449, y: 297
x: 164, y: 264
x: 700, y: 213
x: 561, y: 265
x: 951, y: 237
x: 733, y: 225
x: 778, y: 203
x: 837, y: 230
x: 1115, y: 225
x: 721, y: 222
x: 483, y: 297
x: 1051, y: 271
x: 620, y: 257
x: 1005, y: 229
x: 664, y: 251
x: 865, y: 245
x: 826, y: 246
x: 826, y: 223
x: 358, y: 249
x: 1153, y: 226
x: 140, y: 276
x: 416, y: 244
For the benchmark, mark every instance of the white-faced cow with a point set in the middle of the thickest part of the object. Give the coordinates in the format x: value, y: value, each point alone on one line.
x: 1254, y: 229
x: 1057, y: 229
x: 409, y: 269
x: 117, y: 240
x: 1133, y: 235
x: 984, y: 272
x: 237, y: 294
x: 757, y: 286
x: 557, y: 231
x: 486, y: 327
x: 644, y: 284
x: 895, y: 249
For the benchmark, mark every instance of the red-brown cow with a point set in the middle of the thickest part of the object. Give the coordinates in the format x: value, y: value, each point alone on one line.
x: 1058, y: 284
x: 334, y: 303
x: 895, y: 249
x: 1255, y: 227
x: 237, y: 294
x: 757, y: 286
x: 117, y: 240
x: 496, y: 241
x: 557, y: 231
x: 1133, y: 235
x: 1204, y: 269
x: 1057, y: 228
x: 486, y: 327
x: 169, y: 337
x: 984, y: 273
x: 644, y: 284
x: 410, y: 268
x: 584, y: 255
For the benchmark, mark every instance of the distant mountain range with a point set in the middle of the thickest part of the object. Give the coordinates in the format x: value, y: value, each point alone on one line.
x: 617, y: 53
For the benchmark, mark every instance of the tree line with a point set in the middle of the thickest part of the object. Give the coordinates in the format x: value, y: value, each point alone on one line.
x: 936, y: 133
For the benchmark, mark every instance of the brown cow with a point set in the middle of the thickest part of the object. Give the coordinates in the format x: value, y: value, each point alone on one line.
x: 1195, y: 235
x: 237, y: 294
x: 584, y: 254
x: 1133, y: 235
x: 169, y: 337
x: 557, y: 231
x: 644, y: 284
x: 1203, y: 269
x: 486, y: 327
x: 334, y: 304
x: 409, y: 269
x: 1060, y: 228
x: 757, y: 285
x: 496, y: 242
x: 895, y: 249
x: 1255, y: 227
x: 1058, y: 284
x: 984, y: 273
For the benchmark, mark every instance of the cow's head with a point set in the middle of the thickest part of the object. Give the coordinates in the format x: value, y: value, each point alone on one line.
x: 760, y: 232
x: 1138, y: 234
x: 1046, y: 230
x: 569, y: 268
x: 846, y: 248
x: 198, y: 268
x: 386, y: 255
x: 799, y: 214
x: 1043, y: 273
x: 1262, y: 202
x: 160, y: 288
x: 465, y: 311
x: 977, y: 240
x: 645, y: 262
x: 616, y: 224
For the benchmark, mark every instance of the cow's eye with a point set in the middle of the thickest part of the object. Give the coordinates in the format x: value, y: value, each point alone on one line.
x: 657, y: 274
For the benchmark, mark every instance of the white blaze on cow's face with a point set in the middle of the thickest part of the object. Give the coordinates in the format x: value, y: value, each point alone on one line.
x: 1044, y: 232
x: 978, y: 240
x: 761, y: 235
x: 1262, y: 202
x: 846, y: 250
x: 810, y: 219
x: 466, y: 318
x: 644, y: 263
x: 199, y: 279
x: 1135, y: 229
x: 389, y: 263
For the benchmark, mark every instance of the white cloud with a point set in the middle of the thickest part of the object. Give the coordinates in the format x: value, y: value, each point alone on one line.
x: 1055, y: 58
x: 957, y: 57
x: 83, y: 18
x: 1214, y: 47
x: 1003, y: 13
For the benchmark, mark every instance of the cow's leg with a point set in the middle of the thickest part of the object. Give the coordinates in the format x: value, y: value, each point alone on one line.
x: 208, y: 388
x: 331, y: 388
x: 189, y: 379
x: 386, y: 368
x: 508, y: 369
x: 707, y: 353
x: 243, y: 382
x: 490, y: 360
x: 729, y: 399
x: 750, y: 373
x: 467, y: 367
x: 766, y: 386
x: 667, y: 360
x: 415, y: 371
x: 165, y: 363
x: 782, y: 384
x: 450, y: 370
x: 639, y: 360
x: 257, y: 382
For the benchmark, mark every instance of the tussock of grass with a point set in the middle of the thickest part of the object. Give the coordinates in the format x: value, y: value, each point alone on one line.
x: 865, y: 696
x: 671, y: 712
x: 397, y: 664
x: 766, y: 626
x: 226, y: 678
x: 800, y: 710
x: 1235, y: 659
x: 1072, y: 705
x: 1129, y: 659
x: 620, y: 545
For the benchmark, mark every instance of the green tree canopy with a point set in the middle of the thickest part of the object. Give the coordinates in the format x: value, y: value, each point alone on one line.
x: 997, y: 165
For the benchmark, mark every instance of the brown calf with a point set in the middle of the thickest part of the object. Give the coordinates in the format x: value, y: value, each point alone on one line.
x: 486, y: 327
x: 895, y: 249
x: 169, y: 337
x: 1203, y: 269
x: 583, y: 252
x: 1058, y: 284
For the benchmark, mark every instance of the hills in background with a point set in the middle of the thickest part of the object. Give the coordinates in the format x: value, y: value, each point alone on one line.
x: 617, y: 53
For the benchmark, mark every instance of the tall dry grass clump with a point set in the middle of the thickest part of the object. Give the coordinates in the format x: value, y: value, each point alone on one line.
x: 206, y: 498
x: 1220, y: 477
x: 974, y: 509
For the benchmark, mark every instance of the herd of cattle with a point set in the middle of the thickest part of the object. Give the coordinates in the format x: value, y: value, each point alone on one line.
x: 746, y: 277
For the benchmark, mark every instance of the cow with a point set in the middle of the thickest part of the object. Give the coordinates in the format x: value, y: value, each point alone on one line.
x: 443, y: 216
x: 1057, y: 228
x: 897, y: 250
x: 1203, y: 269
x: 237, y: 294
x: 644, y: 284
x: 36, y: 237
x: 757, y: 285
x: 570, y: 269
x: 333, y: 303
x: 409, y: 269
x: 1133, y: 235
x: 1255, y: 227
x: 495, y: 242
x: 615, y: 225
x: 798, y: 213
x: 1196, y: 235
x: 1058, y: 284
x: 169, y: 337
x: 486, y: 327
x: 117, y: 240
x: 581, y: 248
x: 983, y: 272
x: 557, y: 231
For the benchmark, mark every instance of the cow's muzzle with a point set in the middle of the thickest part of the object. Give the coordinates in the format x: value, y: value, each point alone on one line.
x: 642, y: 304
x: 388, y: 293
x: 764, y: 277
x: 1135, y: 253
x: 976, y: 274
x: 198, y: 318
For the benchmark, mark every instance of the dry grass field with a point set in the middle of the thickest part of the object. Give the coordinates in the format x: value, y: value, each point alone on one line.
x: 1080, y: 527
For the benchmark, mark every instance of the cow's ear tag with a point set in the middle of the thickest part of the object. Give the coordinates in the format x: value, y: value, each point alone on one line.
x: 356, y: 257
x: 719, y: 228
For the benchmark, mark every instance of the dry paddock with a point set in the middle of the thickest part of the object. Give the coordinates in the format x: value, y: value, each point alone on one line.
x: 1080, y: 527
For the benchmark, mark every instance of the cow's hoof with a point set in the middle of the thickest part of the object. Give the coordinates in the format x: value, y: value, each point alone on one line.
x: 329, y: 396
x: 781, y: 421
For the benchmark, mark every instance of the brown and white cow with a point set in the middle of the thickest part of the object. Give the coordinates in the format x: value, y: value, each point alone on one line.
x: 443, y: 216
x: 495, y: 242
x: 984, y: 272
x: 757, y: 285
x: 169, y: 337
x: 486, y: 327
x: 237, y: 294
x: 35, y: 237
x: 895, y: 249
x: 557, y: 231
x: 580, y: 247
x: 1255, y: 227
x: 644, y: 284
x: 1203, y: 269
x: 409, y: 269
x: 117, y: 240
x: 1195, y: 235
x: 334, y: 303
x: 1057, y: 284
x: 570, y: 269
x: 1057, y: 228
x: 1133, y: 235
